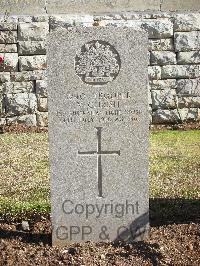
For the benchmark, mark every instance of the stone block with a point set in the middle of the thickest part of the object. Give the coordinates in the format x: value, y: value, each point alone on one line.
x: 4, y: 77
x: 65, y: 21
x: 2, y: 121
x: 180, y: 71
x: 187, y: 22
x: 42, y: 119
x: 28, y: 120
x: 35, y: 31
x: 42, y: 104
x: 188, y: 102
x: 18, y: 87
x: 186, y: 41
x: 165, y: 84
x: 41, y: 88
x: 9, y: 19
x: 188, y: 57
x: 174, y: 116
x: 35, y: 18
x: 8, y: 48
x: 22, y: 7
x: 180, y: 5
x: 8, y: 37
x: 161, y: 45
x: 8, y: 26
x: 9, y: 62
x: 164, y: 99
x: 154, y: 72
x: 32, y: 48
x: 163, y: 58
x: 188, y: 87
x: 20, y: 103
x: 28, y: 75
x: 92, y: 7
x: 36, y: 62
x: 2, y: 105
x: 158, y: 28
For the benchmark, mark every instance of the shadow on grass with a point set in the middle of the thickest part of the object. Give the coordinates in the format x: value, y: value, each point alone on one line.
x: 170, y: 211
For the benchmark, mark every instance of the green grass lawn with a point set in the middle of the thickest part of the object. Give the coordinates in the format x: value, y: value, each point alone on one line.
x: 24, y: 170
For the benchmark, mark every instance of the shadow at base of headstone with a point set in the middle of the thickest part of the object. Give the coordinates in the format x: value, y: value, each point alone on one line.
x: 26, y: 237
x: 134, y: 236
x: 174, y: 211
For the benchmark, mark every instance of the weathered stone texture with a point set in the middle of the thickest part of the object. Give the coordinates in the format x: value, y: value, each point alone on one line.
x: 164, y: 99
x: 8, y: 48
x: 21, y: 103
x: 92, y: 7
x: 37, y: 62
x: 22, y: 7
x: 188, y: 87
x: 18, y: 87
x: 189, y: 57
x: 163, y: 58
x: 42, y: 104
x: 4, y: 77
x: 180, y: 5
x: 32, y: 48
x: 161, y: 45
x: 8, y: 37
x: 35, y: 18
x: 154, y: 72
x: 180, y: 71
x: 174, y: 47
x: 41, y: 88
x: 2, y: 121
x: 10, y: 62
x: 174, y: 116
x: 35, y: 31
x: 155, y: 28
x: 28, y: 120
x: 188, y: 102
x: 163, y: 84
x: 158, y: 28
x: 186, y: 41
x: 28, y: 75
x: 2, y: 109
x: 8, y: 26
x: 65, y: 21
x: 187, y: 22
x: 42, y: 119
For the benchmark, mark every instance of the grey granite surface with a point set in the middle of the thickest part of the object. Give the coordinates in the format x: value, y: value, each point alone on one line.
x: 98, y: 132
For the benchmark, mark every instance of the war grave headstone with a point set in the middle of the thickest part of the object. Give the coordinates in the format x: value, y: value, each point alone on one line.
x: 98, y: 133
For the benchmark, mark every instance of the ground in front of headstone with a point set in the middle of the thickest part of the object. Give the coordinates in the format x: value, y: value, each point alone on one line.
x: 175, y: 244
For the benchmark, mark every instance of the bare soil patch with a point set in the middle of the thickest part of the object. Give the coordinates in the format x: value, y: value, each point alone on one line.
x: 174, y: 244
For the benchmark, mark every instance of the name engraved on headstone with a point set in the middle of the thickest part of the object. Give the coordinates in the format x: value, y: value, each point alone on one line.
x: 104, y: 107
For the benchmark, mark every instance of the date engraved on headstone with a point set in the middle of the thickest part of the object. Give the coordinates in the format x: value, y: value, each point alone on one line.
x: 98, y: 63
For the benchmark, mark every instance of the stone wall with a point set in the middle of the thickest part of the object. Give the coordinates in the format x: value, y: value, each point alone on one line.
x: 174, y: 63
x: 33, y: 7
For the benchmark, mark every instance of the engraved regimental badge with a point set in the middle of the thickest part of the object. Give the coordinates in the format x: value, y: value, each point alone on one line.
x: 97, y: 63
